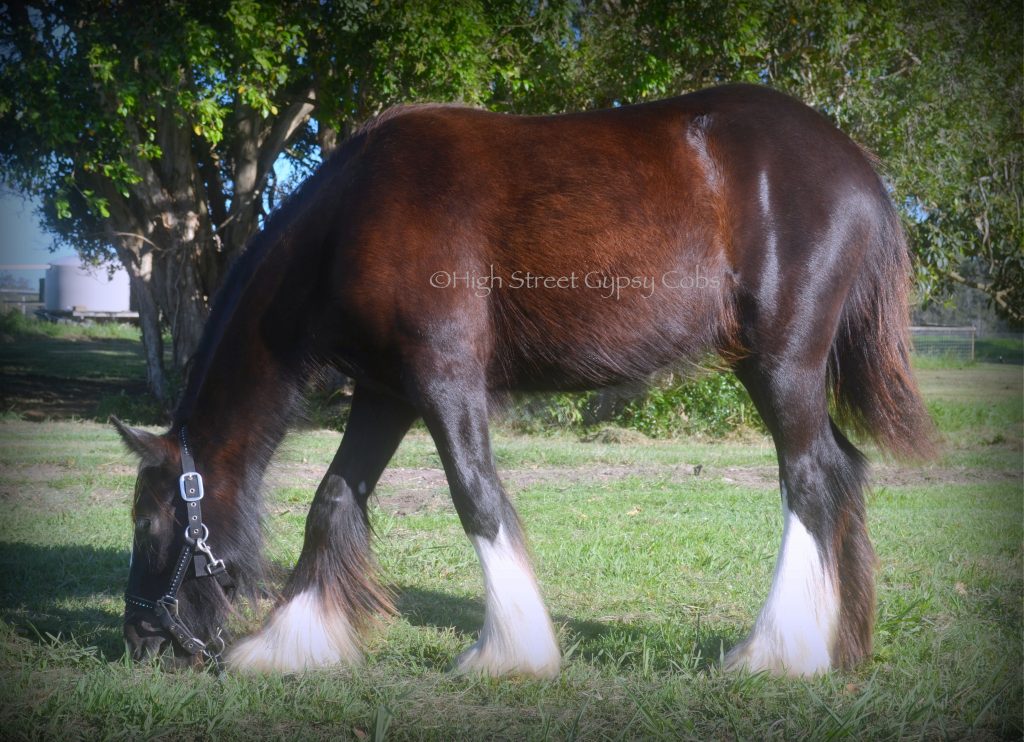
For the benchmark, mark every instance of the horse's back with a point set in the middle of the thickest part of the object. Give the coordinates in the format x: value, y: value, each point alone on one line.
x: 590, y: 248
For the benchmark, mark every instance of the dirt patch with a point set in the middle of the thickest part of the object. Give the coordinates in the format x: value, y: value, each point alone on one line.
x: 36, y: 473
x: 404, y: 491
x: 35, y: 487
x: 880, y: 475
x: 756, y: 477
x: 409, y: 491
x: 893, y: 475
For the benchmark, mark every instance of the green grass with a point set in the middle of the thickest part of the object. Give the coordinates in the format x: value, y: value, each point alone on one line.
x: 87, y: 371
x: 18, y: 326
x: 1000, y: 350
x: 105, y: 359
x: 650, y: 573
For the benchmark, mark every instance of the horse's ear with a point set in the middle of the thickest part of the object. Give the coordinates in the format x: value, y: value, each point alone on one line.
x: 146, y: 446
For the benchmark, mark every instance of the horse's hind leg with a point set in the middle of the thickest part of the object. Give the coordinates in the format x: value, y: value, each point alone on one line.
x: 517, y: 636
x: 332, y: 593
x: 820, y: 609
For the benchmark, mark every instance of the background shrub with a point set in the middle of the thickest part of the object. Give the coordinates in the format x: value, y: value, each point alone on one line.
x: 712, y: 404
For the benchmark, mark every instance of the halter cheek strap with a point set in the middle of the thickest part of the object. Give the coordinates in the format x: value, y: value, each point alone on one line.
x: 194, y: 551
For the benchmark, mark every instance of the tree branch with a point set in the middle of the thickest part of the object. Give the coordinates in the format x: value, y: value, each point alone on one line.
x: 998, y: 297
x: 282, y: 131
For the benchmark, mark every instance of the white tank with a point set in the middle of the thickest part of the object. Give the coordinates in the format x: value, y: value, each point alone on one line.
x: 71, y: 285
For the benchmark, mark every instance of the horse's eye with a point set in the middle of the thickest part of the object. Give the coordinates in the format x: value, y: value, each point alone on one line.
x: 143, y: 526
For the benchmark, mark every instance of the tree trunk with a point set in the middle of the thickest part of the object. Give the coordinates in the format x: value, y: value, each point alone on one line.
x: 161, y: 236
x: 167, y: 288
x: 139, y: 265
x: 175, y: 255
x: 179, y: 294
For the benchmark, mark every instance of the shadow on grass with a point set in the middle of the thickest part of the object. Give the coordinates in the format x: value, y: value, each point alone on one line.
x: 52, y: 590
x: 76, y: 358
x: 650, y: 646
x: 60, y: 378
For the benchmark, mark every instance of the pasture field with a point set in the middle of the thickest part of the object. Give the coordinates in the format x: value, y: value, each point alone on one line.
x: 653, y: 556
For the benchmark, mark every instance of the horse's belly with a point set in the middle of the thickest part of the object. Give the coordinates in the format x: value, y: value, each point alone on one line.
x: 596, y: 328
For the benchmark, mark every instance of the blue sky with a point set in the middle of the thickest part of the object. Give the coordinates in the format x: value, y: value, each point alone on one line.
x: 21, y: 239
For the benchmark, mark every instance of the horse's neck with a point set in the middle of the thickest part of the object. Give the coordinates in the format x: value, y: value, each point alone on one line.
x: 249, y: 375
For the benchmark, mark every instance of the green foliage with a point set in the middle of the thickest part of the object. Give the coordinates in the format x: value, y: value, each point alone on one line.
x: 713, y: 404
x: 549, y: 412
x: 91, y: 92
x: 15, y: 325
x: 955, y: 148
x: 327, y: 409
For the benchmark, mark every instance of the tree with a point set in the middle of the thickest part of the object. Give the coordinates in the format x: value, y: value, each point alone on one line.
x: 956, y: 157
x: 153, y: 128
x: 125, y: 119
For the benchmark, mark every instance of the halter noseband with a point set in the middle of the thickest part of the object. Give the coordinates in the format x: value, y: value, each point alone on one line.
x: 194, y: 550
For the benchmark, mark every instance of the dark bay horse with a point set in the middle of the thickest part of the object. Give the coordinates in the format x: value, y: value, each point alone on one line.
x: 444, y: 256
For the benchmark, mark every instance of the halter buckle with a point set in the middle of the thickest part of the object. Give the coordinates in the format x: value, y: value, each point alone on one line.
x: 190, y: 484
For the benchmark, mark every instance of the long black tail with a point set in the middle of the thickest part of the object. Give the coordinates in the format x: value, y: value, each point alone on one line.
x: 872, y: 384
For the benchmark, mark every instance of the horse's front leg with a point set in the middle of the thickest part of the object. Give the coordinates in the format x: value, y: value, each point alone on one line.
x: 333, y: 593
x: 517, y: 636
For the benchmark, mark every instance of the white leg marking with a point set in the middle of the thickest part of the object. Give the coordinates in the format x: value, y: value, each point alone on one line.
x: 300, y: 634
x: 797, y: 625
x: 517, y: 637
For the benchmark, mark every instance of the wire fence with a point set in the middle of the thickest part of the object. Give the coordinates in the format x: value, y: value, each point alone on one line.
x: 947, y: 342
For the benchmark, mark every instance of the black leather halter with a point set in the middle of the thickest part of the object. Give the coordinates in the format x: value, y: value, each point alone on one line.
x: 194, y: 551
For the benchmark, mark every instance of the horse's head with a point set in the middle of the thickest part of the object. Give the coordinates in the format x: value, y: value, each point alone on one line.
x: 174, y: 598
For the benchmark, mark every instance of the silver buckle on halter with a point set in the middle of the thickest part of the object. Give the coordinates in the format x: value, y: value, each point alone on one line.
x: 190, y: 484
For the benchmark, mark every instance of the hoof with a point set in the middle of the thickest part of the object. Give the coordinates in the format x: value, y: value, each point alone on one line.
x: 796, y: 628
x: 542, y: 660
x: 778, y: 658
x: 301, y: 634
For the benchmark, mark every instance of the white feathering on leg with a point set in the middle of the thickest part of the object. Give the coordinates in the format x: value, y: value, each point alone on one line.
x: 517, y: 637
x: 796, y: 628
x: 300, y: 634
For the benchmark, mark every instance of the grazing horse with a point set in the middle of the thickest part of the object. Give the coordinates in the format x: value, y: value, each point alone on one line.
x: 445, y: 256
